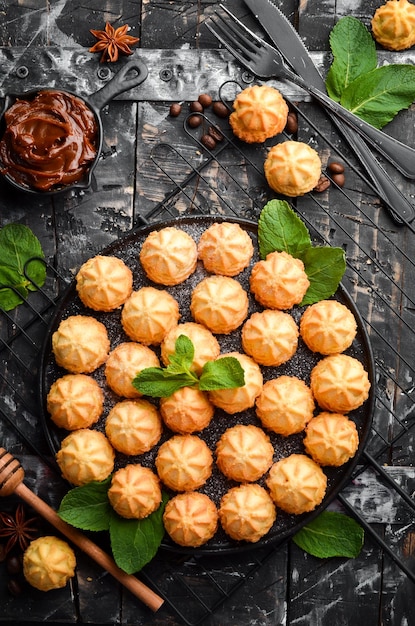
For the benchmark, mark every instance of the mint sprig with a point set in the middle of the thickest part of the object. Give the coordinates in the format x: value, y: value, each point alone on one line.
x: 280, y: 229
x: 160, y: 382
x: 331, y: 534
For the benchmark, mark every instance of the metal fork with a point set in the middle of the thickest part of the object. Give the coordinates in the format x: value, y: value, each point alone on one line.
x: 264, y: 61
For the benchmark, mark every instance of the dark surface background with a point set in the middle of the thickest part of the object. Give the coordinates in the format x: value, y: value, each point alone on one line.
x: 282, y: 585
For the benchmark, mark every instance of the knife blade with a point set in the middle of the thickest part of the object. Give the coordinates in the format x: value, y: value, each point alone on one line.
x: 287, y: 40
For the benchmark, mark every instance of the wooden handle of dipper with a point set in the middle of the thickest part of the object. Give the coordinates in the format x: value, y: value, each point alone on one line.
x: 11, y: 481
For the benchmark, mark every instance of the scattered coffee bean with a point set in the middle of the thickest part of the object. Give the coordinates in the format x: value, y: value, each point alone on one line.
x: 2, y: 552
x: 194, y: 121
x: 14, y: 587
x: 322, y: 184
x: 339, y: 179
x: 208, y: 141
x: 292, y: 123
x: 13, y: 565
x: 205, y: 100
x: 335, y: 167
x: 175, y: 109
x: 220, y: 109
x: 215, y: 133
x: 195, y: 107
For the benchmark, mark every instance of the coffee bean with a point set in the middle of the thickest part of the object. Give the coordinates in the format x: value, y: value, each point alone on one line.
x: 13, y: 565
x: 220, y: 109
x: 175, y: 109
x: 292, y: 123
x: 194, y: 121
x: 208, y: 141
x: 336, y: 168
x: 205, y: 100
x: 14, y: 587
x: 215, y: 133
x: 195, y: 107
x: 2, y: 552
x: 339, y: 179
x: 322, y: 184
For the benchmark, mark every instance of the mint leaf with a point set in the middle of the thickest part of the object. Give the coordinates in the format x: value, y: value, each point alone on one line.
x: 324, y: 267
x: 280, y: 229
x: 183, y: 355
x: 18, y: 245
x: 224, y: 373
x: 354, y: 53
x: 135, y: 542
x: 379, y: 95
x: 331, y: 534
x: 87, y: 507
x: 157, y: 382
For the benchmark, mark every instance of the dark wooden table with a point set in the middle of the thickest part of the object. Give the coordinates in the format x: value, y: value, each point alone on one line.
x: 152, y: 167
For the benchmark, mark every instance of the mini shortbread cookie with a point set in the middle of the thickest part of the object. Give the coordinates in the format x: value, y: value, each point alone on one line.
x: 244, y: 453
x: 297, y: 484
x: 190, y: 519
x: 85, y: 455
x: 328, y: 327
x: 124, y: 363
x: 184, y: 462
x: 104, y: 283
x: 135, y: 492
x: 80, y: 344
x: 247, y: 512
x: 292, y: 168
x: 187, y: 410
x: 205, y: 344
x: 393, y: 25
x: 219, y: 303
x: 133, y: 426
x: 331, y: 439
x: 279, y: 281
x: 285, y: 405
x: 270, y: 337
x: 260, y: 112
x: 225, y: 248
x: 75, y: 401
x: 148, y: 315
x: 48, y: 563
x: 339, y: 383
x: 168, y: 256
x: 240, y: 398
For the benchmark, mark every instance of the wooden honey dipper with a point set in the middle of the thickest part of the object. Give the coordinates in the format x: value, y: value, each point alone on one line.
x: 11, y: 481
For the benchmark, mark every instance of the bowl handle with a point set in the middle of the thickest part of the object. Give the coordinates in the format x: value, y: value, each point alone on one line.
x: 119, y: 83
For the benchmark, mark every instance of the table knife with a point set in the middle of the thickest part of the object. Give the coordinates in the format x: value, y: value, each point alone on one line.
x: 289, y: 43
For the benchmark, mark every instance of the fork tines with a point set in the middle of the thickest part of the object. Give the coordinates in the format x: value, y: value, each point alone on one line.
x: 231, y: 33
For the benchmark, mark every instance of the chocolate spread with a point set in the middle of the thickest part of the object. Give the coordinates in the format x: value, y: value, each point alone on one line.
x: 49, y: 140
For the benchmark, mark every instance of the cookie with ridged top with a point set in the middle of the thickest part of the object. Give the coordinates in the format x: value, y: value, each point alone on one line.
x: 328, y: 327
x: 244, y: 453
x: 219, y: 303
x: 168, y: 256
x: 285, y: 405
x: 260, y: 112
x: 104, y: 283
x: 134, y: 492
x: 339, y: 383
x: 393, y: 25
x: 75, y: 401
x: 292, y: 168
x: 125, y: 361
x: 187, y: 410
x: 239, y: 398
x: 247, y: 512
x: 225, y: 248
x: 85, y: 455
x: 148, y: 314
x: 133, y: 426
x: 48, y: 563
x: 270, y: 337
x: 279, y: 281
x: 331, y: 439
x: 184, y: 462
x: 80, y: 344
x: 206, y: 346
x: 190, y: 519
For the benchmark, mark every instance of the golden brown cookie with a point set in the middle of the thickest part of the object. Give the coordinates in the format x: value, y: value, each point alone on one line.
x: 148, y: 315
x: 168, y: 256
x: 184, y: 462
x: 339, y: 383
x: 279, y: 281
x: 219, y: 303
x: 244, y: 453
x: 75, y: 401
x: 133, y: 426
x: 190, y: 519
x: 285, y: 405
x: 331, y: 439
x: 124, y: 363
x: 292, y: 168
x: 48, y: 563
x: 225, y: 248
x: 260, y: 112
x: 135, y: 492
x: 240, y: 398
x: 297, y: 484
x: 187, y: 410
x: 104, y: 283
x: 270, y: 337
x: 85, y: 455
x: 247, y: 512
x: 80, y: 344
x: 328, y: 327
x: 205, y: 344
x: 393, y: 25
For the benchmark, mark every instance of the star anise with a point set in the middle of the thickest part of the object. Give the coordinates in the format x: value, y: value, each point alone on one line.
x: 17, y: 529
x: 111, y: 42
